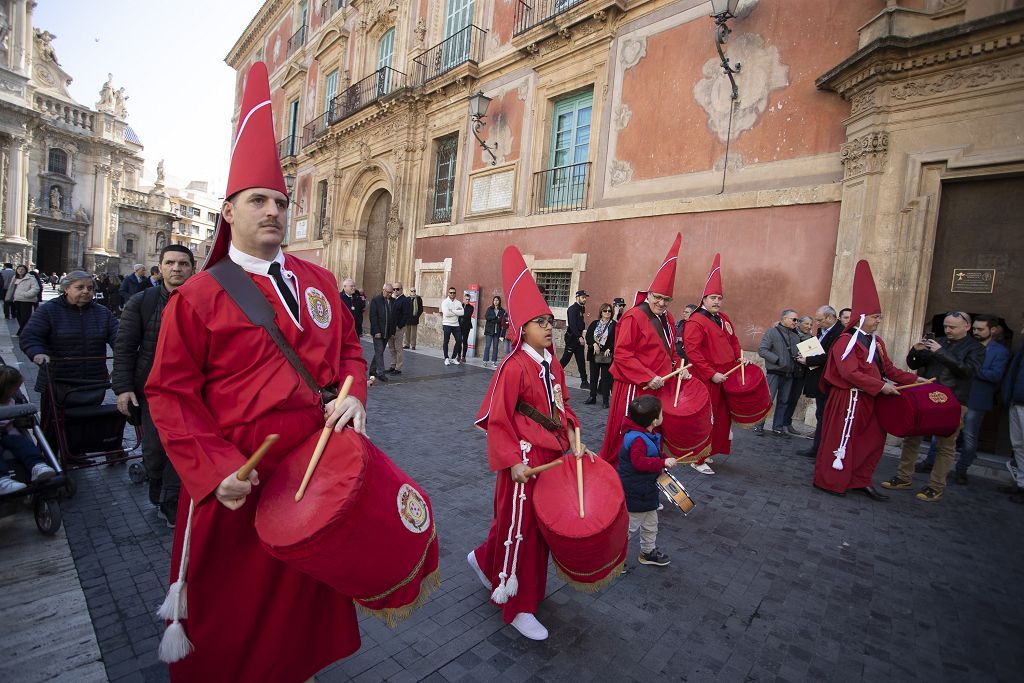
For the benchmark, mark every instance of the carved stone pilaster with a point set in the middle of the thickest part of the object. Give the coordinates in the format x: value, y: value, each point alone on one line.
x: 866, y: 154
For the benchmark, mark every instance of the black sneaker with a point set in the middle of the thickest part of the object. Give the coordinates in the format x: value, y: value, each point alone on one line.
x: 585, y: 385
x: 780, y: 433
x: 758, y: 431
x: 655, y: 557
x: 167, y: 511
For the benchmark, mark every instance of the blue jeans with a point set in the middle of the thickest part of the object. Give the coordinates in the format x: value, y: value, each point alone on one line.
x: 491, y: 340
x: 23, y: 449
x: 778, y: 387
x: 969, y: 448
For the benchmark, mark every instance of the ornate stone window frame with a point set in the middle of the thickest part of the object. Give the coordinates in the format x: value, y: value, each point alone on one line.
x: 422, y: 267
x: 574, y: 263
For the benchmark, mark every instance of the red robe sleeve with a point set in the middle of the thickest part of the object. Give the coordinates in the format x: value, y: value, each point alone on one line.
x: 641, y: 462
x: 893, y: 372
x: 502, y: 438
x: 696, y: 342
x: 201, y: 456
x: 734, y: 341
x: 628, y: 366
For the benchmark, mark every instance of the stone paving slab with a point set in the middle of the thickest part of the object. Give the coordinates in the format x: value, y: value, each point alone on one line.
x: 770, y: 579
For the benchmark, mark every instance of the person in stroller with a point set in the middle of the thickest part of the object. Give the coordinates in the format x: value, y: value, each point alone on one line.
x: 11, y: 439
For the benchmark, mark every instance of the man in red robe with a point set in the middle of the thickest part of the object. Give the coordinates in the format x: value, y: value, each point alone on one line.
x: 527, y: 390
x: 218, y: 388
x: 713, y: 348
x: 645, y: 350
x: 857, y: 370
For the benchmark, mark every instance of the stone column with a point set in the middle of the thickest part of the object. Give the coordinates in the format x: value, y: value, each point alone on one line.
x: 17, y: 191
x: 100, y: 211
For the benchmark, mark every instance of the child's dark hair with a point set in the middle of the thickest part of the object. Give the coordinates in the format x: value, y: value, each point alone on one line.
x: 644, y: 410
x: 10, y: 381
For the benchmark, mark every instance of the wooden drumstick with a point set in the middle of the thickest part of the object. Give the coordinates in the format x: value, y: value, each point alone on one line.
x: 325, y: 436
x: 243, y: 472
x: 679, y: 460
x: 530, y: 471
x: 743, y: 372
x: 734, y: 369
x: 673, y: 373
x: 579, y: 470
x: 916, y: 384
x: 679, y: 385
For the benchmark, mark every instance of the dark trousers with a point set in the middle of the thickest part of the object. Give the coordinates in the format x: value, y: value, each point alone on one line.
x: 23, y: 310
x: 819, y: 413
x: 23, y: 449
x: 575, y: 351
x: 8, y: 308
x: 450, y: 330
x: 796, y: 390
x: 600, y: 380
x: 778, y: 388
x: 377, y: 366
x: 462, y: 343
x: 154, y: 459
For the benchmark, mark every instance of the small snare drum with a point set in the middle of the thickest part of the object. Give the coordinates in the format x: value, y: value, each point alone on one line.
x: 675, y: 492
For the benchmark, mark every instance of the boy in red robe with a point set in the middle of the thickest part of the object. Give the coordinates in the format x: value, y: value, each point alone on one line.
x: 527, y: 390
x: 858, y: 369
x: 218, y: 388
x: 645, y: 350
x: 713, y: 348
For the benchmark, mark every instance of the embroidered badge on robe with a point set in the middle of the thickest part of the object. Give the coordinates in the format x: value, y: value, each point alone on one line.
x: 318, y: 307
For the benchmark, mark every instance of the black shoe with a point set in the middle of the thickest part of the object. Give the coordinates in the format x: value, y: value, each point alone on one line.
x: 381, y: 377
x: 831, y: 493
x: 396, y: 372
x: 391, y: 370
x: 655, y: 557
x: 167, y: 511
x: 758, y: 431
x: 154, y: 492
x: 781, y: 433
x: 604, y: 401
x: 585, y: 385
x: 590, y: 401
x: 960, y: 478
x: 923, y: 468
x: 406, y: 346
x: 1012, y: 490
x: 872, y: 493
x: 809, y: 453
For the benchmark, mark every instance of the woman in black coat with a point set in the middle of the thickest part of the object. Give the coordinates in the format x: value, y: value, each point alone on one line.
x: 600, y: 344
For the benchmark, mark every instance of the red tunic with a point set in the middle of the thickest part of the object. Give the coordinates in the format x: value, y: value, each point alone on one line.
x: 713, y: 349
x: 518, y: 380
x: 844, y: 379
x: 642, y: 352
x: 218, y: 387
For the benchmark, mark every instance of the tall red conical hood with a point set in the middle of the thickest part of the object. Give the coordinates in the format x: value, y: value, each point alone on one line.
x: 714, y: 283
x: 523, y: 299
x: 665, y: 279
x: 865, y: 295
x: 254, y: 161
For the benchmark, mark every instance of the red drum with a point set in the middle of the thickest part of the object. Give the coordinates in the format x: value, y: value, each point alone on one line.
x: 686, y: 430
x: 747, y: 396
x: 589, y: 552
x: 363, y: 527
x: 927, y: 410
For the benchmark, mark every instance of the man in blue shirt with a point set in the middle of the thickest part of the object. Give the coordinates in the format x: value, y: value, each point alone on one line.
x: 983, y: 390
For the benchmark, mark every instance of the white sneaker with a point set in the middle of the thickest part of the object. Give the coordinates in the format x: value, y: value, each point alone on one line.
x: 528, y: 625
x: 10, y: 485
x: 702, y: 468
x: 447, y: 361
x: 471, y: 559
x: 455, y: 361
x: 42, y: 472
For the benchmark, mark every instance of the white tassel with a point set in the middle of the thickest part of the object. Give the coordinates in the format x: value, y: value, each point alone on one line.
x: 175, y: 645
x: 844, y: 439
x: 837, y: 464
x: 508, y: 584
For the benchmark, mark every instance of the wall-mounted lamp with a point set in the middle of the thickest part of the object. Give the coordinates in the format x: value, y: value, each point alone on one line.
x: 722, y: 11
x: 289, y: 183
x: 477, y: 112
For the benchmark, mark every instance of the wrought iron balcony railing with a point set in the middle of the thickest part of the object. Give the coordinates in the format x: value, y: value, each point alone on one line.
x: 297, y: 40
x: 328, y: 8
x: 357, y: 96
x: 565, y: 188
x: 315, y: 128
x: 465, y: 46
x: 287, y: 147
x: 536, y: 12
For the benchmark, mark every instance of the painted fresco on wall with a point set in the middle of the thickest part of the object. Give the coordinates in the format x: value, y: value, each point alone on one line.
x: 504, y: 124
x: 275, y: 49
x: 303, y: 185
x: 309, y: 103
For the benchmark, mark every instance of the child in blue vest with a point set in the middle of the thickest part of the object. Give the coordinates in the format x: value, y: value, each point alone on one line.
x: 640, y: 463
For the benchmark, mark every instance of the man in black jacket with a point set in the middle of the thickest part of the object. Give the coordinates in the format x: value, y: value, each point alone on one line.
x: 355, y: 302
x: 952, y: 361
x: 396, y: 343
x: 382, y: 328
x: 134, y: 350
x: 575, y: 341
x: 465, y: 327
x: 135, y: 283
x: 413, y: 324
x: 829, y: 329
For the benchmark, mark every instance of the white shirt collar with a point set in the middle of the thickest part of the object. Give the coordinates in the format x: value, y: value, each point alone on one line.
x: 251, y: 263
x: 532, y: 353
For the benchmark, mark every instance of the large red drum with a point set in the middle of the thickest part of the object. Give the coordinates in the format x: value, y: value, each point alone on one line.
x: 926, y: 410
x: 747, y: 396
x: 363, y: 527
x: 588, y: 552
x: 686, y: 430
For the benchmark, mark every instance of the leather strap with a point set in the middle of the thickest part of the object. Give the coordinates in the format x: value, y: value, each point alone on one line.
x: 548, y: 423
x: 248, y: 297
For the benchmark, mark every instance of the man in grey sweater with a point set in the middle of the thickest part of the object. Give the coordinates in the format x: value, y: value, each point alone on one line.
x: 778, y: 348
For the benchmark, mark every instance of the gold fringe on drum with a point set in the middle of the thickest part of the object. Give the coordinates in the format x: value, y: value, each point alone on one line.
x: 392, y: 616
x: 594, y: 586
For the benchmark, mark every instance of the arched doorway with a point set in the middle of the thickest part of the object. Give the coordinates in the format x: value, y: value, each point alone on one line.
x: 375, y: 254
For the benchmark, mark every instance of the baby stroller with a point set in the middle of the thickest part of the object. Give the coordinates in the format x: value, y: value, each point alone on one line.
x: 41, y: 496
x: 86, y: 432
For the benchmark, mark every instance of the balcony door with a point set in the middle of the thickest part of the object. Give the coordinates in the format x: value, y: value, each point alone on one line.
x: 293, y: 125
x: 458, y: 18
x: 330, y: 90
x: 385, y: 53
x: 570, y: 149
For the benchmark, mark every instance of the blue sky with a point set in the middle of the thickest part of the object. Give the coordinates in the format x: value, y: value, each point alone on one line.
x: 169, y: 57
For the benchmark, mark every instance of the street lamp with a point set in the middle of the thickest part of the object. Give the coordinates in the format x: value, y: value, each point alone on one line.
x: 477, y: 112
x: 289, y: 184
x: 722, y: 11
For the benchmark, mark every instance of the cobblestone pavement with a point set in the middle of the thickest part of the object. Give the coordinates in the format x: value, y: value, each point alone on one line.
x: 770, y: 579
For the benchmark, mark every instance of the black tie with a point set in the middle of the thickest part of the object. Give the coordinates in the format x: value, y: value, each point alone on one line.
x: 547, y: 383
x: 286, y: 292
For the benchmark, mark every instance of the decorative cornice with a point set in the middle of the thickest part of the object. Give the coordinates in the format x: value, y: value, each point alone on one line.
x: 961, y: 79
x: 255, y: 30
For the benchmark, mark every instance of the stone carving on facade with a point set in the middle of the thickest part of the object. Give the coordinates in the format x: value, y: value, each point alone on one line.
x: 862, y: 101
x: 56, y: 199
x: 393, y: 227
x: 81, y: 215
x: 866, y: 154
x: 622, y: 116
x: 763, y: 72
x: 44, y: 41
x: 964, y: 79
x: 160, y: 177
x: 619, y: 173
x: 120, y: 110
x: 106, y: 101
x: 5, y: 29
x: 374, y: 12
x: 328, y: 234
x: 31, y: 198
x: 633, y: 50
x: 421, y: 32
x: 161, y: 240
x: 364, y: 151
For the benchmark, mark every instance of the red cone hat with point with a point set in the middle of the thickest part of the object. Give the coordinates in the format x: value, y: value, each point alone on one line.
x: 665, y: 279
x: 523, y: 299
x: 254, y: 161
x: 714, y: 283
x: 865, y: 294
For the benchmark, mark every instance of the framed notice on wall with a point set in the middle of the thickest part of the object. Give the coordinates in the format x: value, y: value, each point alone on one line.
x: 301, y: 228
x: 973, y: 280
